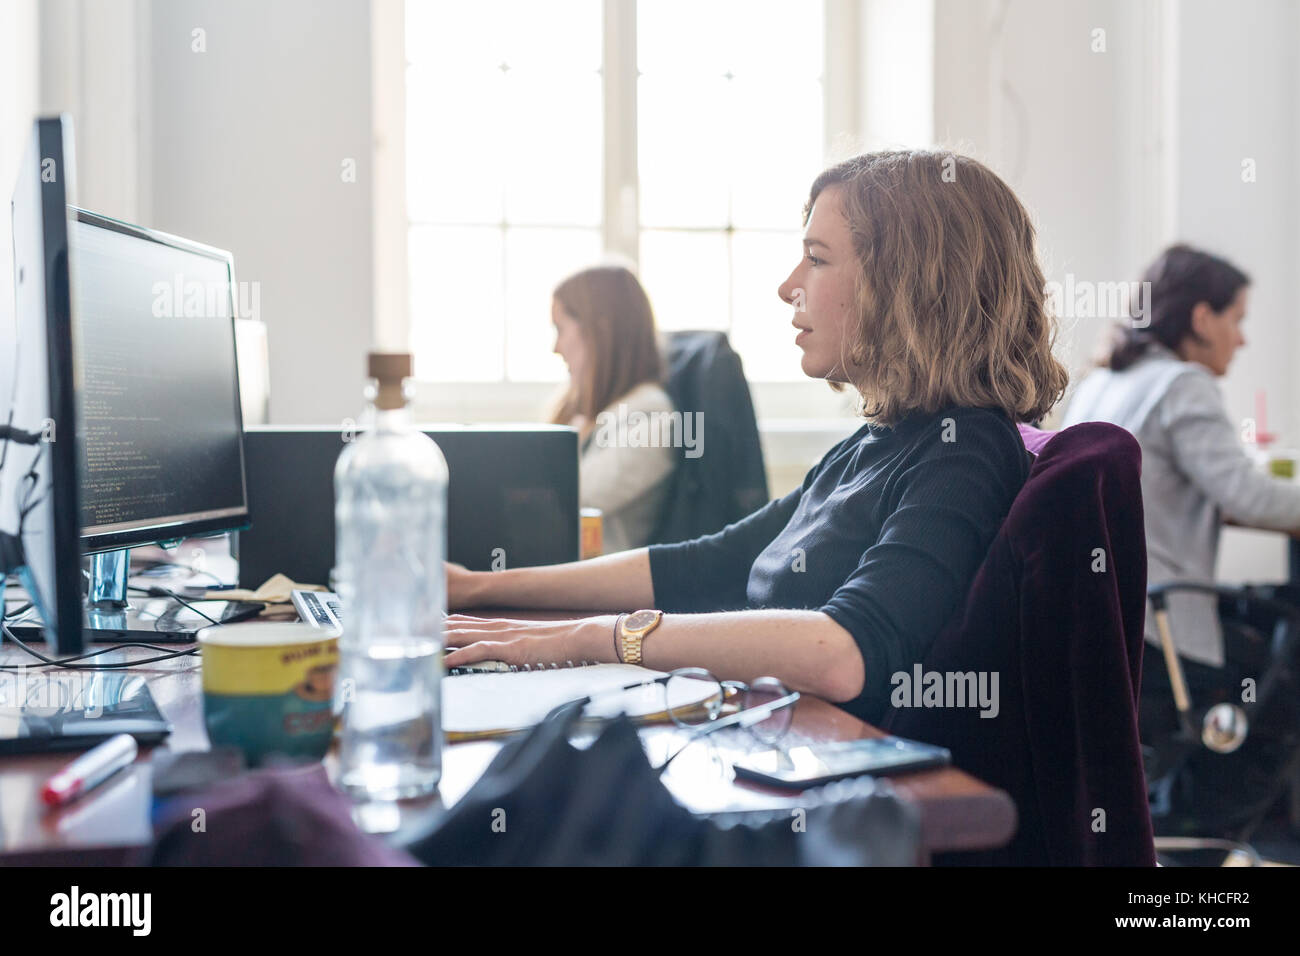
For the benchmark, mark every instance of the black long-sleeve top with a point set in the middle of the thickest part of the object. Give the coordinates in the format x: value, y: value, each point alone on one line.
x: 884, y: 536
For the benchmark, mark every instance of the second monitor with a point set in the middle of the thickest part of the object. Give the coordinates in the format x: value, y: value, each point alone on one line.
x: 512, y: 498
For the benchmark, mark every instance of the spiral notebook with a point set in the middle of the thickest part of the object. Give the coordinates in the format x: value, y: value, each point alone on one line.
x: 479, y: 705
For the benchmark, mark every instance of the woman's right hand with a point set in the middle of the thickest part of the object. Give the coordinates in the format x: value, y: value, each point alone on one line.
x: 462, y: 586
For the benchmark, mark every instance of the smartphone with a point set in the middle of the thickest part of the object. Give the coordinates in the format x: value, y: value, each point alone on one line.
x: 814, y: 764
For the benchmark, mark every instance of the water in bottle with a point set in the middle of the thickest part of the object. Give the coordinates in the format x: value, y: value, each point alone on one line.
x: 390, y: 488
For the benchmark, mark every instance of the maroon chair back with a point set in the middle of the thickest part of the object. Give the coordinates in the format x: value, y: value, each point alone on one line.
x: 1056, y: 613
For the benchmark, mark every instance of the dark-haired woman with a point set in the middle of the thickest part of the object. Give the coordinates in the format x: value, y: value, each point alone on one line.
x: 1158, y: 381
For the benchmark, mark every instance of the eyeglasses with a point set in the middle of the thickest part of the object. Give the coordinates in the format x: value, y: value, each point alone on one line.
x: 700, y: 703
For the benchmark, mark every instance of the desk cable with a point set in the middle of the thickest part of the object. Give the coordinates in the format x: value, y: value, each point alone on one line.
x: 156, y: 591
x: 70, y: 662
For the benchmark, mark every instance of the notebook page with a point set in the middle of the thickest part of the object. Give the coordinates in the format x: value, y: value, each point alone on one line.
x: 475, y: 703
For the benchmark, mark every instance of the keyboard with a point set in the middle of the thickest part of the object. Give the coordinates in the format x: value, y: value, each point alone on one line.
x: 324, y: 610
x: 319, y: 609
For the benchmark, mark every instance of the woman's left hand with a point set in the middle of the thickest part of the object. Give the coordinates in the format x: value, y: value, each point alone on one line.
x: 472, y: 639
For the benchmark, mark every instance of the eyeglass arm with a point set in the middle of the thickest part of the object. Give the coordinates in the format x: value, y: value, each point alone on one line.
x: 741, y: 718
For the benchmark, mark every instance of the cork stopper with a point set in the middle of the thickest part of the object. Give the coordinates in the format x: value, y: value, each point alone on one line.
x: 388, y: 369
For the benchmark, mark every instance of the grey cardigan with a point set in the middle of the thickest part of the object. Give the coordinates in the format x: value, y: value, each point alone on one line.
x: 1195, y: 473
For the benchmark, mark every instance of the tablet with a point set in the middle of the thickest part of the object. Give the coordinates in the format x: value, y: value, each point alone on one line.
x: 43, y: 710
x: 814, y: 764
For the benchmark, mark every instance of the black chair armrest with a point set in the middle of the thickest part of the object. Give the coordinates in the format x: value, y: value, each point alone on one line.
x: 1246, y: 595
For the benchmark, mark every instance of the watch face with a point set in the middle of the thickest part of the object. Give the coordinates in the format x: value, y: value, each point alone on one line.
x: 634, y: 622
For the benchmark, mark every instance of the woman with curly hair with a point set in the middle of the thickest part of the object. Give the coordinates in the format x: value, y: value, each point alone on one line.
x: 920, y: 288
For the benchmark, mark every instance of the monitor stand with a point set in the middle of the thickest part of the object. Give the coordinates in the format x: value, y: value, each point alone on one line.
x: 110, y: 617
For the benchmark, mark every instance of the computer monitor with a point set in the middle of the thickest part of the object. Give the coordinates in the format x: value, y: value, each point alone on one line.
x: 162, y: 449
x: 522, y: 516
x: 39, y: 507
x: 152, y: 447
x: 161, y: 439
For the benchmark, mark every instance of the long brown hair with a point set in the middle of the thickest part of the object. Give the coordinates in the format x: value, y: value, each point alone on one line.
x: 618, y: 329
x: 952, y: 303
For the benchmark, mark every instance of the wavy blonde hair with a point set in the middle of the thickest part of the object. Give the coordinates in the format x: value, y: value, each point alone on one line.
x: 952, y: 307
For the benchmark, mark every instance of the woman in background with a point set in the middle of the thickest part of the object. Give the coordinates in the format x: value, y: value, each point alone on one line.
x: 605, y: 332
x: 1159, y: 382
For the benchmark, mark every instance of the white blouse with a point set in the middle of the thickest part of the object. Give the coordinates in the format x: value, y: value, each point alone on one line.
x: 626, y: 462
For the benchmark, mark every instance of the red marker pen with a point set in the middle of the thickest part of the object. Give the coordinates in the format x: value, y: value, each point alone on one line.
x: 90, y: 770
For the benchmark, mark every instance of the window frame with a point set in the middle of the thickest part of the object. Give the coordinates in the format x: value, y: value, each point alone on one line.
x: 508, y: 399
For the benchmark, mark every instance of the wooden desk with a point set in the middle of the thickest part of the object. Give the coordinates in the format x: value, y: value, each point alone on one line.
x: 957, y: 812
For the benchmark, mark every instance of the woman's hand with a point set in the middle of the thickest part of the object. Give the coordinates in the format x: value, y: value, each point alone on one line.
x: 473, y: 639
x: 462, y: 585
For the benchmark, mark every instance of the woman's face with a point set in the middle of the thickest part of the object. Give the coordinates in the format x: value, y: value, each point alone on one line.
x: 821, y: 289
x: 1221, y: 332
x: 568, y: 340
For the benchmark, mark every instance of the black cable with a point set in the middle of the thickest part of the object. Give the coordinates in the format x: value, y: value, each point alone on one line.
x: 156, y: 591
x: 67, y: 662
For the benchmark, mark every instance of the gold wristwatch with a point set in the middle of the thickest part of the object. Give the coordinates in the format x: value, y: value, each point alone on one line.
x: 632, y: 630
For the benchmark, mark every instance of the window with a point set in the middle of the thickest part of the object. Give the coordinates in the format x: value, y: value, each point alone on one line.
x: 507, y: 156
x: 503, y: 183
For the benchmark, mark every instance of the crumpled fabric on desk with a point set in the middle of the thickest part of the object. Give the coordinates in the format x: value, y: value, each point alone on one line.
x: 542, y: 801
x: 279, y: 817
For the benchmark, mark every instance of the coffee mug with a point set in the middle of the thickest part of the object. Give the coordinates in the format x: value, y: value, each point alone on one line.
x: 268, y: 688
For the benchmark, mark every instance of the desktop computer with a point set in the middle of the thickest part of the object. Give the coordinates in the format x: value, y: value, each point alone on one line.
x: 160, y: 437
x: 142, y: 399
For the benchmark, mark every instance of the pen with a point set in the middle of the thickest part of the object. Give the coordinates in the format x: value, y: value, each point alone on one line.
x: 89, y: 770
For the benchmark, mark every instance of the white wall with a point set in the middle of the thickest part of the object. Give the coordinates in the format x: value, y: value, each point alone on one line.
x: 1019, y: 86
x: 1118, y: 153
x: 18, y: 99
x: 94, y: 67
x: 1239, y: 99
x: 248, y: 141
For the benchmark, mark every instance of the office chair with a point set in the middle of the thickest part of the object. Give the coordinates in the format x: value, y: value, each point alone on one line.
x: 1216, y: 765
x: 727, y: 481
x: 1057, y: 611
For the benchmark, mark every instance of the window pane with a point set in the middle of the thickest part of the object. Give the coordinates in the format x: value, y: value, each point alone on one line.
x: 455, y: 147
x: 686, y: 276
x: 761, y: 331
x: 457, y: 303
x: 777, y: 38
x: 684, y: 35
x: 536, y: 261
x: 554, y: 36
x: 774, y: 162
x: 742, y: 37
x: 457, y: 35
x: 554, y: 154
x: 684, y: 151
